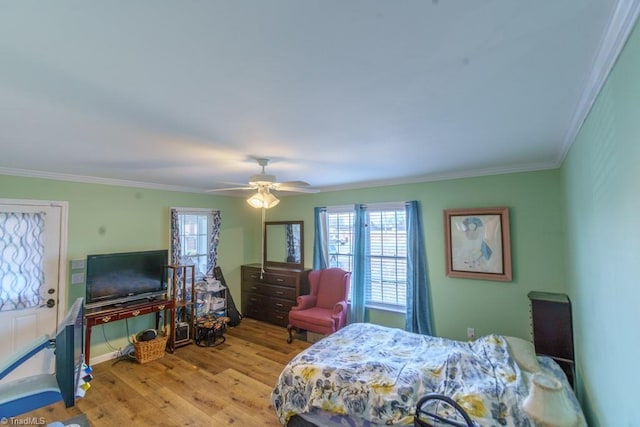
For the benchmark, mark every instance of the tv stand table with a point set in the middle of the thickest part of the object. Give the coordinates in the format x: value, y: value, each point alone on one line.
x: 109, y: 314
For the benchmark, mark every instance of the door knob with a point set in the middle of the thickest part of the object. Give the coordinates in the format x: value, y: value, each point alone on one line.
x: 51, y: 303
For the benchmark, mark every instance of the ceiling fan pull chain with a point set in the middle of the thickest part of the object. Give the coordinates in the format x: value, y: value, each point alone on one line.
x: 262, y: 245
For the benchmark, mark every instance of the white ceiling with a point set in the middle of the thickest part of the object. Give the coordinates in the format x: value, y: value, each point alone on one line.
x: 338, y: 93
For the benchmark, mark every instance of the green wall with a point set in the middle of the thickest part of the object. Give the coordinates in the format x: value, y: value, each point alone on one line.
x: 600, y: 177
x: 105, y: 218
x: 537, y: 239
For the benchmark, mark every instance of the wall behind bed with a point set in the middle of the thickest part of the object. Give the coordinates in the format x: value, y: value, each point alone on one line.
x: 537, y: 234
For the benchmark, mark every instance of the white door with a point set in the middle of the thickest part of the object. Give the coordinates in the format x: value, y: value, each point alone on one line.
x: 19, y: 328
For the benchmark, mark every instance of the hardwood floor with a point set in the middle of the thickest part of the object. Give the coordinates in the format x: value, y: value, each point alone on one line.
x: 229, y: 384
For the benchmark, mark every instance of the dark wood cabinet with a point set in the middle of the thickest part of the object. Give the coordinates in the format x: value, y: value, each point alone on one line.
x: 270, y: 296
x: 553, y: 329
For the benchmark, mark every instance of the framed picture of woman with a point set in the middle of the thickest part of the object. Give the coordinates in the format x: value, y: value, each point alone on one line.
x: 477, y: 243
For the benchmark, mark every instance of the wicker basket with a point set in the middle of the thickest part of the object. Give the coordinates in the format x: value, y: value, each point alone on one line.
x: 146, y: 351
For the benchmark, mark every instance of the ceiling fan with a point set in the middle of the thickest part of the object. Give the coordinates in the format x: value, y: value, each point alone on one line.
x: 264, y: 183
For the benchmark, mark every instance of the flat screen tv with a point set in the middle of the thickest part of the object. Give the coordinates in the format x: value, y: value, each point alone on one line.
x: 123, y: 277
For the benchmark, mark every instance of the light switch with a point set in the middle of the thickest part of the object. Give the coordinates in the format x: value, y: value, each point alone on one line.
x: 77, y: 278
x: 77, y: 264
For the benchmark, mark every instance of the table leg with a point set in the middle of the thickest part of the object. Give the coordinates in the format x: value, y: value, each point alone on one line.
x: 87, y: 344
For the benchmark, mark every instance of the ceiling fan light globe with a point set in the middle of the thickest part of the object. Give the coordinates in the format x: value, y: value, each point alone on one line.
x: 255, y: 201
x: 263, y: 199
x: 270, y: 200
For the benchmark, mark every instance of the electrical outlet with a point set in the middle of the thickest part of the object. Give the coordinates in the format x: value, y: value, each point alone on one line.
x: 471, y: 333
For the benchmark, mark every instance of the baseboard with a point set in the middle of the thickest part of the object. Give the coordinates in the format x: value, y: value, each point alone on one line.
x: 110, y: 356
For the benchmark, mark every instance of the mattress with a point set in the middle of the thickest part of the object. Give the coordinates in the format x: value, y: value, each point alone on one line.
x: 370, y: 375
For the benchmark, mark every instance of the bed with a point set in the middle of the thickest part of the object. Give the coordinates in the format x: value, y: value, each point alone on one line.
x: 370, y: 375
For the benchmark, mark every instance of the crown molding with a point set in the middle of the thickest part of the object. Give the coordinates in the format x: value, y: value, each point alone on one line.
x: 475, y: 173
x: 530, y: 167
x: 622, y: 22
x: 29, y: 173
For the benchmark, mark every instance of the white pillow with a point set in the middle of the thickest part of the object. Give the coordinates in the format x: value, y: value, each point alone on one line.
x: 524, y: 354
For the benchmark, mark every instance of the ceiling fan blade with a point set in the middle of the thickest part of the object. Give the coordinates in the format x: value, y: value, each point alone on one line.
x: 215, y: 190
x: 234, y: 184
x: 292, y: 184
x: 295, y: 189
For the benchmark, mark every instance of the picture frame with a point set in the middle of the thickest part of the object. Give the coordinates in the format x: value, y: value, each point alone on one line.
x: 478, y: 243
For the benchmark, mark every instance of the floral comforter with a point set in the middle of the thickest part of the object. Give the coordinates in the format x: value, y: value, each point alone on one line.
x: 377, y: 374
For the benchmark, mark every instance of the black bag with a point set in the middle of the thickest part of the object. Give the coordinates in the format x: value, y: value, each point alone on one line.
x: 232, y: 311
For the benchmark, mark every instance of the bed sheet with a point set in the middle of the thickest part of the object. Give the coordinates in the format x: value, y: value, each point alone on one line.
x: 369, y: 375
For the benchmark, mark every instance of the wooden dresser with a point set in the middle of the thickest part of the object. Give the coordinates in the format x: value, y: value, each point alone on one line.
x: 553, y: 329
x: 270, y: 297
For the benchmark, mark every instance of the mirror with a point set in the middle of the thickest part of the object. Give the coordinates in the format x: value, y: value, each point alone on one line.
x: 283, y: 244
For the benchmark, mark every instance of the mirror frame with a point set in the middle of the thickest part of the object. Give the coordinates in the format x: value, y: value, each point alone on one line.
x: 295, y: 265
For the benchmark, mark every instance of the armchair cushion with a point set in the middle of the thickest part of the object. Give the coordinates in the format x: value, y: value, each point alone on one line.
x: 315, y: 319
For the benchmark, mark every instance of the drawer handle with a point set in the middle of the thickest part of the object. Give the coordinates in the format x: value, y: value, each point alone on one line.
x: 105, y: 319
x: 254, y: 299
x: 278, y: 305
x: 254, y: 276
x: 279, y: 293
x: 135, y: 313
x: 254, y: 288
x: 279, y: 280
x: 161, y: 307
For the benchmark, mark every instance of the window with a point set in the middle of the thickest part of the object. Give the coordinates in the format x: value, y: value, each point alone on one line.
x: 386, y: 253
x: 195, y: 232
x: 341, y: 229
x: 22, y: 259
x: 387, y: 275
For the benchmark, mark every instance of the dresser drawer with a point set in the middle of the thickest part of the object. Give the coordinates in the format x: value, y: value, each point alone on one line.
x: 280, y: 279
x: 275, y: 278
x: 162, y: 305
x: 281, y: 304
x: 254, y: 299
x: 282, y: 292
x: 255, y: 312
x: 269, y: 290
x: 255, y: 305
x: 255, y: 287
x: 251, y: 274
x: 135, y: 312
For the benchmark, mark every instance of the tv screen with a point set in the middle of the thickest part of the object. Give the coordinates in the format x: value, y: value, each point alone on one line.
x: 121, y: 277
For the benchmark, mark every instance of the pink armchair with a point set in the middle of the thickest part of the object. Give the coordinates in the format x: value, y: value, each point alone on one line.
x: 324, y: 311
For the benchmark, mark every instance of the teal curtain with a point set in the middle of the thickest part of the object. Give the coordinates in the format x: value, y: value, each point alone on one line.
x: 360, y: 265
x: 320, y: 248
x: 418, y: 317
